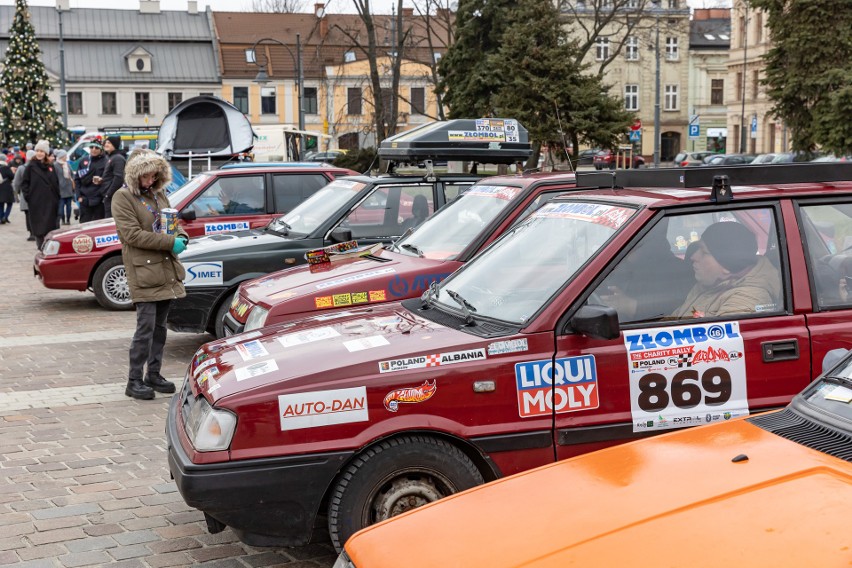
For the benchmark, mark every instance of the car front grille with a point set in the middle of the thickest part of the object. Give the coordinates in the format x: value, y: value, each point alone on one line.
x: 187, y: 401
x: 791, y: 425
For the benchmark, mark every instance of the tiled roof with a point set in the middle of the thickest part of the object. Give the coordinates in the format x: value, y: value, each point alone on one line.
x: 713, y: 33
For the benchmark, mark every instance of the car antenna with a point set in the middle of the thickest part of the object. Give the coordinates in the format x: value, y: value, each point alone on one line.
x: 370, y: 167
x: 562, y: 134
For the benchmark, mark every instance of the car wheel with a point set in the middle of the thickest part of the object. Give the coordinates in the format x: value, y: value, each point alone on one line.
x: 393, y: 477
x: 218, y: 327
x: 110, y: 285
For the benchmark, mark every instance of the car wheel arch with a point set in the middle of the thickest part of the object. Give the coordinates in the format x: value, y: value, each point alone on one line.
x: 103, y: 259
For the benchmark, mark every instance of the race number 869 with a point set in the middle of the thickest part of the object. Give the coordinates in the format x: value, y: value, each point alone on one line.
x: 688, y: 389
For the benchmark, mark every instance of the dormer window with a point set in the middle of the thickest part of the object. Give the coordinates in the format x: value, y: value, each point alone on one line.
x: 138, y: 60
x: 349, y: 57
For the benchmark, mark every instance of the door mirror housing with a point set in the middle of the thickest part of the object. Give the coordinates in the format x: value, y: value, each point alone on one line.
x: 341, y: 235
x: 600, y: 322
x: 187, y: 214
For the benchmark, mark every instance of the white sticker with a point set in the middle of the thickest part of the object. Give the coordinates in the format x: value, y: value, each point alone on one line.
x: 251, y: 350
x: 510, y: 346
x: 203, y: 273
x: 323, y: 408
x: 433, y: 360
x: 300, y: 337
x: 219, y: 228
x: 686, y: 375
x: 203, y: 365
x: 333, y: 315
x: 242, y: 337
x: 355, y: 278
x: 107, y: 240
x: 256, y: 369
x: 365, y: 343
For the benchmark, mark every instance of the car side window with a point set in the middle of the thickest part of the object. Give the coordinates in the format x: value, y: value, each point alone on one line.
x: 540, y: 200
x: 828, y: 245
x: 231, y: 195
x: 703, y: 265
x: 453, y: 190
x: 288, y: 190
x: 390, y: 210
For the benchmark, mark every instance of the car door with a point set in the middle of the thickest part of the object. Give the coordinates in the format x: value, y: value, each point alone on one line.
x: 290, y: 189
x: 229, y: 204
x: 697, y: 345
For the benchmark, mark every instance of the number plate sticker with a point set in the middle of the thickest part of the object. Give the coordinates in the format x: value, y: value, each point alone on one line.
x: 686, y: 375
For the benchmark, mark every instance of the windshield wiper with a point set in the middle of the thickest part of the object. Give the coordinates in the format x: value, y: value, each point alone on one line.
x: 414, y: 249
x: 467, y: 307
x: 276, y: 223
x: 429, y: 295
x: 394, y: 245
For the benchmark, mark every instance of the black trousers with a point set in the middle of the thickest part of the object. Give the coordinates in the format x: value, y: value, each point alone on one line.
x: 149, y: 340
x: 91, y: 213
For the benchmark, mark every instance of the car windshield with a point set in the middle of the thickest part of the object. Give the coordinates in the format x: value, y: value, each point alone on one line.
x: 306, y: 217
x: 179, y: 198
x: 833, y: 394
x: 516, y: 276
x: 446, y: 233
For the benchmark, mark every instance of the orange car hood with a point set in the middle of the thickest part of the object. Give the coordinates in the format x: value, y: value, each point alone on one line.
x: 674, y: 500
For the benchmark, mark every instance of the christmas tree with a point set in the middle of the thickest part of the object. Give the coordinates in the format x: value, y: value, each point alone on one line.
x: 26, y: 112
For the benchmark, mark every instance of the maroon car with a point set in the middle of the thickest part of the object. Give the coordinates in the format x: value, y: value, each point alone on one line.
x: 606, y: 159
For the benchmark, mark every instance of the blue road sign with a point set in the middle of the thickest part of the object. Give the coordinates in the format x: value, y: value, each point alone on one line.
x: 634, y: 135
x: 694, y: 130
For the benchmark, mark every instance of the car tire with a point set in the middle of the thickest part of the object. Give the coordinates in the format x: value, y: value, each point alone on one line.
x: 110, y: 285
x: 395, y: 476
x: 218, y: 327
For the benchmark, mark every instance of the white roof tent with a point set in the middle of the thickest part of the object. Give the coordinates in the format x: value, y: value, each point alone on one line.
x: 482, y: 140
x: 204, y: 126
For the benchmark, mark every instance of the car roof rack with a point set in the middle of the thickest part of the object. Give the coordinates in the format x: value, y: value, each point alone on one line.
x: 703, y: 176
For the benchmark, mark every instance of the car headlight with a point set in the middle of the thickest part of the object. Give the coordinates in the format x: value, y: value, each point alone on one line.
x: 256, y: 318
x: 50, y: 248
x: 343, y: 561
x: 209, y: 429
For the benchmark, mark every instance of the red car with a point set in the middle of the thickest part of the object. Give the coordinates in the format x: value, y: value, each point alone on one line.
x: 434, y: 250
x: 605, y: 159
x: 235, y: 198
x: 581, y: 327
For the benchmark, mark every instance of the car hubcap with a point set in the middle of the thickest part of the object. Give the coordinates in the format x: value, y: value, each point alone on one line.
x: 115, y: 285
x: 405, y: 493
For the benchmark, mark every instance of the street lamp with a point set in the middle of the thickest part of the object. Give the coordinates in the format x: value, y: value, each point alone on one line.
x: 745, y: 55
x: 657, y: 9
x: 62, y: 6
x: 262, y: 78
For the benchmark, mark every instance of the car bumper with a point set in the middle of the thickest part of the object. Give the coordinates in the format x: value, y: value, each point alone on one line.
x: 266, y: 502
x: 232, y: 326
x: 63, y: 272
x: 193, y: 312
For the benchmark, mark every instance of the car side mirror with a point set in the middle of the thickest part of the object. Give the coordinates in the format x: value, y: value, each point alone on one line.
x: 600, y: 322
x: 187, y: 214
x: 341, y: 235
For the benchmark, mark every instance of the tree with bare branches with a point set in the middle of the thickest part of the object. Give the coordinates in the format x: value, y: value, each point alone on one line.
x: 278, y: 6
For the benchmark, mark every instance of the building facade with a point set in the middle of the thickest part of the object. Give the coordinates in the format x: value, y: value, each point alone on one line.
x: 709, y: 43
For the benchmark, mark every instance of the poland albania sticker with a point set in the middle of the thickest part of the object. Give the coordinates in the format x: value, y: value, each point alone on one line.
x: 322, y: 408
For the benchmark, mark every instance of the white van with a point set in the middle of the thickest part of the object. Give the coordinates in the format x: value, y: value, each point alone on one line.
x: 279, y: 142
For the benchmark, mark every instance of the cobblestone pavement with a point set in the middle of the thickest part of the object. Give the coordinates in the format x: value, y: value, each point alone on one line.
x: 84, y: 479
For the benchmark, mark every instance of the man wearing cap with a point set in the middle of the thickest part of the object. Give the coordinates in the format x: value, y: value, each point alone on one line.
x: 89, y: 195
x: 730, y: 277
x: 113, y: 177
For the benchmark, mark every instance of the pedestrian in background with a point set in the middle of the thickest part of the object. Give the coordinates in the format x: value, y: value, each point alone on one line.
x: 89, y: 195
x: 40, y: 187
x: 113, y: 177
x: 7, y: 194
x: 66, y: 186
x: 154, y: 273
x: 16, y: 186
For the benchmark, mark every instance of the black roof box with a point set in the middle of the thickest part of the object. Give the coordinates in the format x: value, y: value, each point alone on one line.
x: 483, y: 140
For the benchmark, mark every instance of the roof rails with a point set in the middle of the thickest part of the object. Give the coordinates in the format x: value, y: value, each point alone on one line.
x: 702, y: 176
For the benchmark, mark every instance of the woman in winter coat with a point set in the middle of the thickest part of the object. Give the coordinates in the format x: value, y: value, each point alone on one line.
x: 7, y: 196
x: 16, y: 186
x: 154, y: 273
x: 66, y: 187
x: 40, y: 187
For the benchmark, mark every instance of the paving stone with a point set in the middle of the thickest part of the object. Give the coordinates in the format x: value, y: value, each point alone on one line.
x: 266, y: 559
x: 132, y: 551
x: 216, y: 552
x: 42, y: 551
x: 144, y: 523
x: 59, y: 535
x: 72, y: 510
x: 92, y: 543
x: 60, y: 523
x: 174, y: 545
x: 84, y: 559
x: 170, y: 559
x: 178, y: 531
x: 100, y: 530
x: 40, y: 563
x: 135, y: 537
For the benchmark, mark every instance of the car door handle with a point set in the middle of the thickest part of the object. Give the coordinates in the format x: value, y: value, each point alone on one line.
x: 786, y: 350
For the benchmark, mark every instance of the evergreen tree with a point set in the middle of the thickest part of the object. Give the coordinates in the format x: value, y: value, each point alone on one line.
x: 809, y: 70
x: 26, y: 111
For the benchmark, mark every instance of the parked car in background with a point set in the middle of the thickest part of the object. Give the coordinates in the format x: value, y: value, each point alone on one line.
x: 685, y: 159
x: 775, y: 488
x: 833, y: 158
x: 728, y: 159
x: 763, y: 159
x: 607, y: 159
x: 587, y: 157
x: 328, y: 156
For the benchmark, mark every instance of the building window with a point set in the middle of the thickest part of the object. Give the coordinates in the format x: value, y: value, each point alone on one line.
x: 717, y: 91
x: 75, y: 102
x: 758, y: 28
x: 739, y: 93
x: 174, y: 100
x: 755, y: 83
x: 349, y: 57
x: 602, y: 49
x: 418, y: 100
x: 674, y: 4
x: 309, y: 105
x: 671, y: 97
x: 743, y: 31
x: 143, y: 103
x: 250, y: 56
x: 241, y: 99
x: 631, y: 51
x: 671, y: 49
x: 267, y: 100
x: 437, y: 56
x: 631, y: 97
x: 108, y: 103
x: 353, y: 100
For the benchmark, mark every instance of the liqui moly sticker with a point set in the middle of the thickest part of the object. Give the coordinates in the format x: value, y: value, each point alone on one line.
x: 569, y: 385
x: 251, y: 350
x: 231, y: 227
x: 203, y: 273
x: 323, y: 408
x: 203, y: 365
x: 410, y: 395
x: 309, y: 336
x: 365, y: 343
x: 686, y: 375
x: 106, y: 240
x: 256, y: 369
x: 433, y: 360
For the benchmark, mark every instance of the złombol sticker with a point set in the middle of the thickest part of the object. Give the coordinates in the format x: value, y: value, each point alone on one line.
x: 82, y: 244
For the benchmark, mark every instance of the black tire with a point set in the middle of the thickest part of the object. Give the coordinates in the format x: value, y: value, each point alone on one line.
x: 395, y: 476
x: 218, y: 326
x: 110, y: 285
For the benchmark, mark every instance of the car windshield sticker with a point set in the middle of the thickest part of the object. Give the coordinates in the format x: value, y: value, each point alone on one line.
x: 410, y: 395
x: 209, y: 374
x: 256, y: 369
x: 106, y: 240
x: 837, y: 393
x: 251, y: 350
x: 686, y: 375
x: 298, y: 338
x: 323, y: 408
x: 511, y: 346
x: 204, y: 365
x: 82, y: 244
x: 203, y: 273
x: 498, y: 191
x: 568, y: 386
x: 365, y: 343
x: 227, y: 227
x: 349, y: 299
x: 608, y: 215
x: 241, y: 337
x: 488, y: 130
x: 355, y: 278
x: 434, y: 360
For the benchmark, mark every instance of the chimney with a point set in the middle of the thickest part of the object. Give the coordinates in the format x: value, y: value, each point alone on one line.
x: 149, y: 6
x: 192, y: 6
x: 407, y: 13
x: 319, y: 11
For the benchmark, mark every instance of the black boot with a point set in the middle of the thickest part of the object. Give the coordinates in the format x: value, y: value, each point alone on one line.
x: 136, y: 389
x: 159, y: 384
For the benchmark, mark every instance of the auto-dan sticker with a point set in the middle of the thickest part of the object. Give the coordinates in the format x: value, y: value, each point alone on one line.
x: 256, y: 369
x: 569, y: 385
x: 410, y: 395
x: 323, y: 408
x: 309, y: 336
x: 433, y: 360
x: 82, y: 244
x: 251, y: 350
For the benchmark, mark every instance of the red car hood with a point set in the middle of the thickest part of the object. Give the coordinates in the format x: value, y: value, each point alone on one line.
x: 101, y: 227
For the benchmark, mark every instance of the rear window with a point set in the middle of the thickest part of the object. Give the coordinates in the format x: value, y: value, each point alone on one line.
x: 681, y: 157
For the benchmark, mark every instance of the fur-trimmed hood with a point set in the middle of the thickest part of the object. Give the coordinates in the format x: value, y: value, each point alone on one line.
x: 145, y: 162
